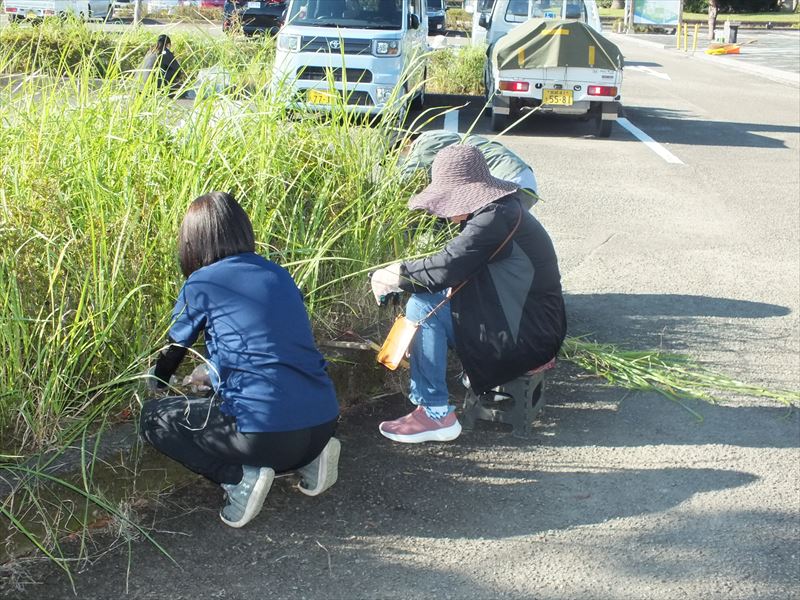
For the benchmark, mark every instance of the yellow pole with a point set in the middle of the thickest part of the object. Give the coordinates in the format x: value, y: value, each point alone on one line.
x: 686, y: 38
x: 678, y: 37
x: 694, y: 41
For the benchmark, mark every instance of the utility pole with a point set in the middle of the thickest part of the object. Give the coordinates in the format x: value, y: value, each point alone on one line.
x: 137, y: 12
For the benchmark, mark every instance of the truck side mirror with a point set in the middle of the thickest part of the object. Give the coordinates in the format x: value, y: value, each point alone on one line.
x: 483, y: 21
x: 413, y: 21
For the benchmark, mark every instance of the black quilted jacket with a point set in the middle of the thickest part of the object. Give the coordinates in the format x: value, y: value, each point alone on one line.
x: 509, y: 318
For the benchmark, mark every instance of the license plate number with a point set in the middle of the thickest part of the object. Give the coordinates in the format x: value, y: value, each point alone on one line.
x: 254, y: 5
x: 317, y: 97
x: 560, y: 97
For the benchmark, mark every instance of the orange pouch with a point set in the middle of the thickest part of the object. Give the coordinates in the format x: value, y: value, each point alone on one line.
x: 395, y: 346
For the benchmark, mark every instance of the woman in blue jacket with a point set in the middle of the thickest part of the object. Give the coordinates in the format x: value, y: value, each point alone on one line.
x: 274, y: 407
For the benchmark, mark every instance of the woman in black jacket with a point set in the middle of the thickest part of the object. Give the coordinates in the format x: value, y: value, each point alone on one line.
x: 507, y: 318
x: 161, y: 61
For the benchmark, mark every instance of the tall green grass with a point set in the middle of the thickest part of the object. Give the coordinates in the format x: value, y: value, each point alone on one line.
x: 95, y: 176
x: 95, y: 180
x: 58, y: 48
x: 457, y: 70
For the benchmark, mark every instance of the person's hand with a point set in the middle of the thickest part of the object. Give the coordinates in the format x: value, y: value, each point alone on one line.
x: 385, y: 281
x: 198, y: 380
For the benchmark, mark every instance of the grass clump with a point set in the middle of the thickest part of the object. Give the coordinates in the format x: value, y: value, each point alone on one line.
x: 457, y: 70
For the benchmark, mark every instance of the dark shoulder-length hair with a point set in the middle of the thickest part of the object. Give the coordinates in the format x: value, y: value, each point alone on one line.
x: 162, y: 41
x: 215, y: 226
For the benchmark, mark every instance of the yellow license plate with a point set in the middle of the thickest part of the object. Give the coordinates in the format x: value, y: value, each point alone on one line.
x: 317, y: 97
x: 560, y: 97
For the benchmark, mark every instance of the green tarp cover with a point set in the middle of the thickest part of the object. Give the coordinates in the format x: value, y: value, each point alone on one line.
x: 539, y: 44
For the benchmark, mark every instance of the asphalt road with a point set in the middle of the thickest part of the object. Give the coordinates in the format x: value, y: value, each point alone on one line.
x: 617, y: 495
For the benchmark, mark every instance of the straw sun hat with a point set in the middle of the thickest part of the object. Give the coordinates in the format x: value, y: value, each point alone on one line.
x: 460, y: 184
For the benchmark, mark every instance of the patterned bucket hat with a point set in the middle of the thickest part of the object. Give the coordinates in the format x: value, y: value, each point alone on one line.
x: 460, y: 184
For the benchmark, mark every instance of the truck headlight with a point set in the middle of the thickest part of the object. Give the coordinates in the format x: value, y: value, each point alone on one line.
x: 386, y: 48
x: 289, y: 43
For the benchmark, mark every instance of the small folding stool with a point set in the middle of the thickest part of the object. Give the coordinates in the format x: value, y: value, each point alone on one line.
x: 516, y: 403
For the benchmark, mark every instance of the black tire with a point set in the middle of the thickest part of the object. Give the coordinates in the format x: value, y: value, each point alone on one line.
x: 604, y: 127
x: 499, y: 122
x: 418, y: 102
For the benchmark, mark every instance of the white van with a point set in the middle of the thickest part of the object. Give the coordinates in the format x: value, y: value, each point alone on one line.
x: 367, y: 47
x: 477, y: 8
x: 17, y: 10
x: 584, y: 11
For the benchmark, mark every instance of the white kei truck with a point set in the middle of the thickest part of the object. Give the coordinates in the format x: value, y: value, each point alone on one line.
x: 365, y: 53
x: 18, y: 10
x: 583, y: 10
x: 556, y: 66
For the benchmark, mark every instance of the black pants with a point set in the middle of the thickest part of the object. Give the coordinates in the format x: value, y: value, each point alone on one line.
x: 218, y: 450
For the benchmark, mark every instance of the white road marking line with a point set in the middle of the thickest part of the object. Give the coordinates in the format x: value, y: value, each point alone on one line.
x: 650, y: 142
x: 451, y: 121
x: 649, y: 71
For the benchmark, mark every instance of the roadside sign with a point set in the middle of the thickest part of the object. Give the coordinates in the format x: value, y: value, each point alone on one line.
x: 657, y: 12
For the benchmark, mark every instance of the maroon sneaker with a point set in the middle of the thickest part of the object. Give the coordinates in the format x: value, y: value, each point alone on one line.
x: 418, y: 427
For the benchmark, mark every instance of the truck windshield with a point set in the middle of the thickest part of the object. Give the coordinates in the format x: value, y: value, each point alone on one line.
x: 520, y: 11
x: 360, y: 14
x: 434, y: 5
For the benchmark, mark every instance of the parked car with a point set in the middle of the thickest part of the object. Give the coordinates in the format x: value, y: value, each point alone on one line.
x: 38, y: 9
x: 367, y: 53
x: 437, y: 12
x: 255, y: 16
x: 559, y: 67
x: 168, y: 6
x: 212, y: 3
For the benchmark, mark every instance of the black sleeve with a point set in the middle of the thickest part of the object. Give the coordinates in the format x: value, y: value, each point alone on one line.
x: 465, y: 255
x: 171, y: 68
x: 168, y: 361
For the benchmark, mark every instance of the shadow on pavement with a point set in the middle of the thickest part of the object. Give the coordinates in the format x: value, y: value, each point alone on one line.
x: 674, y: 322
x: 681, y: 127
x: 674, y: 305
x: 582, y: 411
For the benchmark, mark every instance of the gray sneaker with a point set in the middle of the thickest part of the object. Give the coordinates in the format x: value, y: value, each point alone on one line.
x: 245, y: 499
x: 322, y: 472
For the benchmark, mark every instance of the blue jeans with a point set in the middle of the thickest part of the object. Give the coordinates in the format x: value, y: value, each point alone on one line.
x: 429, y: 350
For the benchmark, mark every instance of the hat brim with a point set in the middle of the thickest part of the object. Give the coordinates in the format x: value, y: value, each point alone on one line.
x: 447, y: 201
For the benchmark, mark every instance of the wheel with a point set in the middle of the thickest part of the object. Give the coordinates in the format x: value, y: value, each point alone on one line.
x: 604, y: 127
x: 499, y: 122
x: 514, y: 110
x: 418, y: 102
